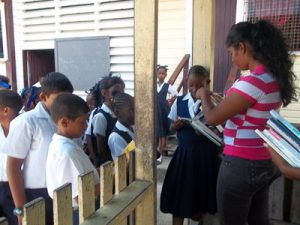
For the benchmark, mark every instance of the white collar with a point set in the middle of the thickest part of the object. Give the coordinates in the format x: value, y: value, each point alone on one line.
x: 121, y: 127
x: 41, y: 112
x: 192, y: 105
x: 159, y: 87
x: 58, y: 137
x: 105, y: 108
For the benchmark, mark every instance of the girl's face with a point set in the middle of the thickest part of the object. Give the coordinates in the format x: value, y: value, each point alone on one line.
x: 126, y: 113
x: 161, y: 74
x: 240, y: 56
x: 90, y: 100
x: 195, y: 82
x: 117, y: 88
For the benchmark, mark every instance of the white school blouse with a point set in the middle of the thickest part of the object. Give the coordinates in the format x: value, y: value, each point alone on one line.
x: 66, y: 161
x: 3, y: 157
x: 116, y: 143
x: 171, y: 90
x: 29, y: 137
x: 99, y: 121
x: 193, y: 107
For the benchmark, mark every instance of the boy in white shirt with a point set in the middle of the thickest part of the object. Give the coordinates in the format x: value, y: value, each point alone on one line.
x: 27, y: 146
x: 67, y: 160
x: 10, y: 105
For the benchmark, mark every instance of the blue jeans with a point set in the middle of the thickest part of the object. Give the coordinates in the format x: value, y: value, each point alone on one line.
x: 243, y: 189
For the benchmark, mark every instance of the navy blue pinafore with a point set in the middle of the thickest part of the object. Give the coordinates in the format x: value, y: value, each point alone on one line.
x: 163, y: 110
x: 189, y: 187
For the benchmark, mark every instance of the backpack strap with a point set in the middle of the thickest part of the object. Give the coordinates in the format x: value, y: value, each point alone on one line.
x: 123, y: 134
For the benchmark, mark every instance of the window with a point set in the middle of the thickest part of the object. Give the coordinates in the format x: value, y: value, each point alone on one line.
x: 284, y: 14
x: 3, y: 51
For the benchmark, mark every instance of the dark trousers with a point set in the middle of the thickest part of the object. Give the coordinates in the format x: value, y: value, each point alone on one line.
x: 242, y: 190
x: 32, y: 194
x: 6, y: 204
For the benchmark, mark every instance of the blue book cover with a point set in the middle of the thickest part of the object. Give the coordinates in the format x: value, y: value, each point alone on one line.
x: 285, y: 133
x: 286, y: 123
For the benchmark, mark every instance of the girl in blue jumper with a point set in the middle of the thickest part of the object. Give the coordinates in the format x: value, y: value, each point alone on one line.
x: 189, y: 188
x: 163, y: 108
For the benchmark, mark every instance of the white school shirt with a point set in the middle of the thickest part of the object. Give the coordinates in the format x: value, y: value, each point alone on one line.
x: 116, y: 143
x: 192, y: 105
x: 29, y: 137
x: 66, y: 161
x: 88, y: 130
x: 171, y: 90
x: 3, y: 157
x: 99, y: 122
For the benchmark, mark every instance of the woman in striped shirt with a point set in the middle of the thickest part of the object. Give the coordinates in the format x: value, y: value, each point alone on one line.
x: 247, y: 170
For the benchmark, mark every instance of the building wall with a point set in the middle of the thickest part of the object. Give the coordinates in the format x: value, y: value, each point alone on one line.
x: 171, y: 33
x: 38, y: 23
x: 292, y: 111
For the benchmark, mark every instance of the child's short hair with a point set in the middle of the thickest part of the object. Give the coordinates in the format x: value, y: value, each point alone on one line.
x: 55, y: 82
x: 68, y: 105
x: 10, y: 99
x: 199, y: 71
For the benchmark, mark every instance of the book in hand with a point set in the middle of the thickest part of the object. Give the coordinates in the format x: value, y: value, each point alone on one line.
x: 200, y: 127
x: 283, y: 137
x: 283, y: 148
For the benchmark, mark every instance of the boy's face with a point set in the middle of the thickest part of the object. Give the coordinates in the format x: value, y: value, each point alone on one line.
x: 48, y: 99
x: 7, y: 114
x: 72, y: 128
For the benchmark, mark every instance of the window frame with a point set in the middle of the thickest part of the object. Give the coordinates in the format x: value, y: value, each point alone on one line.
x: 4, y: 34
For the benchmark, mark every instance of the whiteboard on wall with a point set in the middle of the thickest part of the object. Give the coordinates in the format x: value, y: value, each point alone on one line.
x: 83, y: 60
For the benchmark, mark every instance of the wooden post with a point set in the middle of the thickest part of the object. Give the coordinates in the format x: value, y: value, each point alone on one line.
x: 106, y: 183
x: 86, y: 195
x: 145, y: 43
x: 121, y: 177
x: 62, y: 205
x: 204, y: 33
x: 120, y: 173
x: 34, y: 212
x: 3, y: 221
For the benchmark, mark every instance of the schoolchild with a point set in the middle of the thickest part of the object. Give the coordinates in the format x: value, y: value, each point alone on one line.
x: 123, y: 133
x: 104, y: 120
x: 66, y: 159
x: 4, y: 82
x: 247, y: 170
x: 30, y: 98
x: 10, y: 105
x: 163, y: 108
x: 94, y: 101
x: 27, y: 146
x: 189, y: 188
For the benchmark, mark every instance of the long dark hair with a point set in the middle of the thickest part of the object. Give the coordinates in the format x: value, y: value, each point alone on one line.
x: 270, y: 49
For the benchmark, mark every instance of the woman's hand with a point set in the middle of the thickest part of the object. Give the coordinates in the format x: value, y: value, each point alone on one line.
x: 276, y: 158
x: 202, y: 92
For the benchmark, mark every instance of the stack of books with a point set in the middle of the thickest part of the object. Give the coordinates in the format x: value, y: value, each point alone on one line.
x: 283, y: 137
x: 207, y: 131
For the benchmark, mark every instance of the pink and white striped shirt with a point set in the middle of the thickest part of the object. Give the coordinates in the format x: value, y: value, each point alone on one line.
x: 240, y: 138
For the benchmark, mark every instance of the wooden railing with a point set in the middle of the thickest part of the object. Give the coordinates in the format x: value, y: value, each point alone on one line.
x: 182, y: 66
x: 115, y: 207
